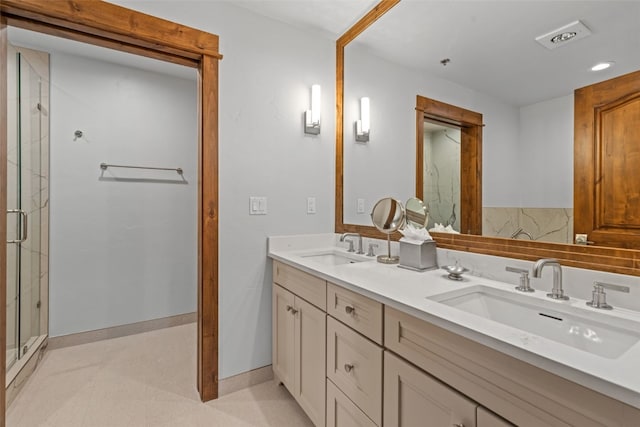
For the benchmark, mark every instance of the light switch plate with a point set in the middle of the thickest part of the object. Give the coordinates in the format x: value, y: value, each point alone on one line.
x: 257, y: 205
x: 311, y: 205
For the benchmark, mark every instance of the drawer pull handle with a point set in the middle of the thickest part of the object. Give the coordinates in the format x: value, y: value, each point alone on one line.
x: 348, y: 367
x: 349, y: 309
x: 292, y: 310
x: 458, y: 425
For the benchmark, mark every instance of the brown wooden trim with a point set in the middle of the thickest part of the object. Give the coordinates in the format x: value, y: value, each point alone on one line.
x: 612, y: 260
x: 366, y: 21
x: 419, y: 154
x: 470, y: 123
x: 117, y: 23
x: 452, y: 114
x: 372, y: 16
x: 104, y: 24
x: 339, y: 198
x: 3, y: 213
x: 208, y: 302
x: 46, y: 28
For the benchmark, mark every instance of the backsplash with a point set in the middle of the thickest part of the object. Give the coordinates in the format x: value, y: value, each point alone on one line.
x: 577, y: 282
x: 543, y: 224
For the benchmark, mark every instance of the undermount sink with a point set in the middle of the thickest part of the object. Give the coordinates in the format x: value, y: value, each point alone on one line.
x: 334, y: 257
x: 595, y: 333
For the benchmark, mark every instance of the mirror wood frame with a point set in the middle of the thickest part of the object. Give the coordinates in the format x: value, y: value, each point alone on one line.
x: 614, y: 260
x: 108, y: 25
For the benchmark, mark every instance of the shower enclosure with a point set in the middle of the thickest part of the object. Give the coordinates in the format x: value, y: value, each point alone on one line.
x: 27, y: 205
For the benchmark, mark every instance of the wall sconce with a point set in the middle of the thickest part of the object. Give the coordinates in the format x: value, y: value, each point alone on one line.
x: 364, y: 124
x: 312, y: 117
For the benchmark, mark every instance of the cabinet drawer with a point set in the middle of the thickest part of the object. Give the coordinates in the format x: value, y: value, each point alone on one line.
x: 304, y: 285
x: 342, y: 412
x: 356, y: 311
x: 486, y: 418
x: 413, y: 398
x: 354, y: 364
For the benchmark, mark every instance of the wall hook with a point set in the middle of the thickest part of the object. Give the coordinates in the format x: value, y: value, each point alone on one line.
x: 77, y: 134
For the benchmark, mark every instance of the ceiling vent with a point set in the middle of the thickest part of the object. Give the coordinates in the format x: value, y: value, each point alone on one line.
x: 563, y: 35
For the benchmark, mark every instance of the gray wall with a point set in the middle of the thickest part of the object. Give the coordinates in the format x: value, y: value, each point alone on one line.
x: 121, y: 251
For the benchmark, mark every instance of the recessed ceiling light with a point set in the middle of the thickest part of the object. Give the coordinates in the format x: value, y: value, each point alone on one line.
x: 602, y: 66
x: 563, y: 37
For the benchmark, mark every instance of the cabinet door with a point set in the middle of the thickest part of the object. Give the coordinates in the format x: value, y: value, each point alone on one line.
x: 413, y: 398
x: 342, y: 412
x: 283, y: 325
x: 310, y: 360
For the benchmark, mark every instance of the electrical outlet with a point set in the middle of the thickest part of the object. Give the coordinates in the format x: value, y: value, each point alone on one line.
x: 311, y: 205
x: 360, y: 208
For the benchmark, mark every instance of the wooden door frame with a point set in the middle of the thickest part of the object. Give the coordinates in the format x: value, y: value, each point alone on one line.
x: 470, y: 124
x: 108, y: 25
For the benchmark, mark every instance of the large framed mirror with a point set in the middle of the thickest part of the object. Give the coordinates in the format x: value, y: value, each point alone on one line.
x: 107, y: 25
x: 464, y: 54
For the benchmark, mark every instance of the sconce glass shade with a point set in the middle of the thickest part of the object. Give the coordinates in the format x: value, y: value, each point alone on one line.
x: 312, y: 117
x: 364, y: 124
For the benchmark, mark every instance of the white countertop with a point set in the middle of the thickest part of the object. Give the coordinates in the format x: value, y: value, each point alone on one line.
x: 407, y: 291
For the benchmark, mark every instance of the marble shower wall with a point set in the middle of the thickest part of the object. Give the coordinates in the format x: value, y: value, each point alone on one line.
x: 544, y: 224
x: 442, y: 176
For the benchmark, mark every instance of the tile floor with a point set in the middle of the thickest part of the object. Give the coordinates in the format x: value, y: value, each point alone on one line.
x: 141, y: 380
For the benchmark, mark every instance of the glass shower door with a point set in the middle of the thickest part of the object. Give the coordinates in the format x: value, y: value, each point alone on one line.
x: 13, y: 206
x: 24, y: 201
x: 30, y: 203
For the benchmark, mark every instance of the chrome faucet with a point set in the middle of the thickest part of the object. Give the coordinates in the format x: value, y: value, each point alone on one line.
x: 521, y: 232
x: 556, y: 292
x: 345, y: 236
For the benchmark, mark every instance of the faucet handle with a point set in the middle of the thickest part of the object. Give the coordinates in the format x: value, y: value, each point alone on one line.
x: 599, y: 297
x: 601, y: 286
x: 524, y: 279
x: 351, y: 249
x: 370, y: 251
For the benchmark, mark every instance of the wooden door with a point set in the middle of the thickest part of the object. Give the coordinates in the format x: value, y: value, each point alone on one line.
x: 413, y: 398
x: 283, y: 336
x: 310, y: 360
x: 607, y: 162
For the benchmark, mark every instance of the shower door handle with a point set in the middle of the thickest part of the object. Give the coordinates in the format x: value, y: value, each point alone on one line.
x: 23, y: 229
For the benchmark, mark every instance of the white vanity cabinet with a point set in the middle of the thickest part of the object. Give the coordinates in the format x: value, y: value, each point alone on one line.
x: 299, y: 339
x: 351, y: 361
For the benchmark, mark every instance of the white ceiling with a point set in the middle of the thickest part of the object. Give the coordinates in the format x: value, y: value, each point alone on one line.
x: 332, y: 17
x: 491, y: 44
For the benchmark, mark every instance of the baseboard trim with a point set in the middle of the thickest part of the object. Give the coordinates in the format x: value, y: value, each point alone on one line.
x: 244, y: 380
x: 120, y: 331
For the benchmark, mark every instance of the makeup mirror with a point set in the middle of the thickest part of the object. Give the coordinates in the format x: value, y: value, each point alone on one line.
x: 388, y: 217
x: 416, y: 212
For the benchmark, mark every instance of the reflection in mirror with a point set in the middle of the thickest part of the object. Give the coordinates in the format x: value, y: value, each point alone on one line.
x: 416, y: 212
x: 388, y: 217
x: 527, y: 104
x: 441, y: 183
